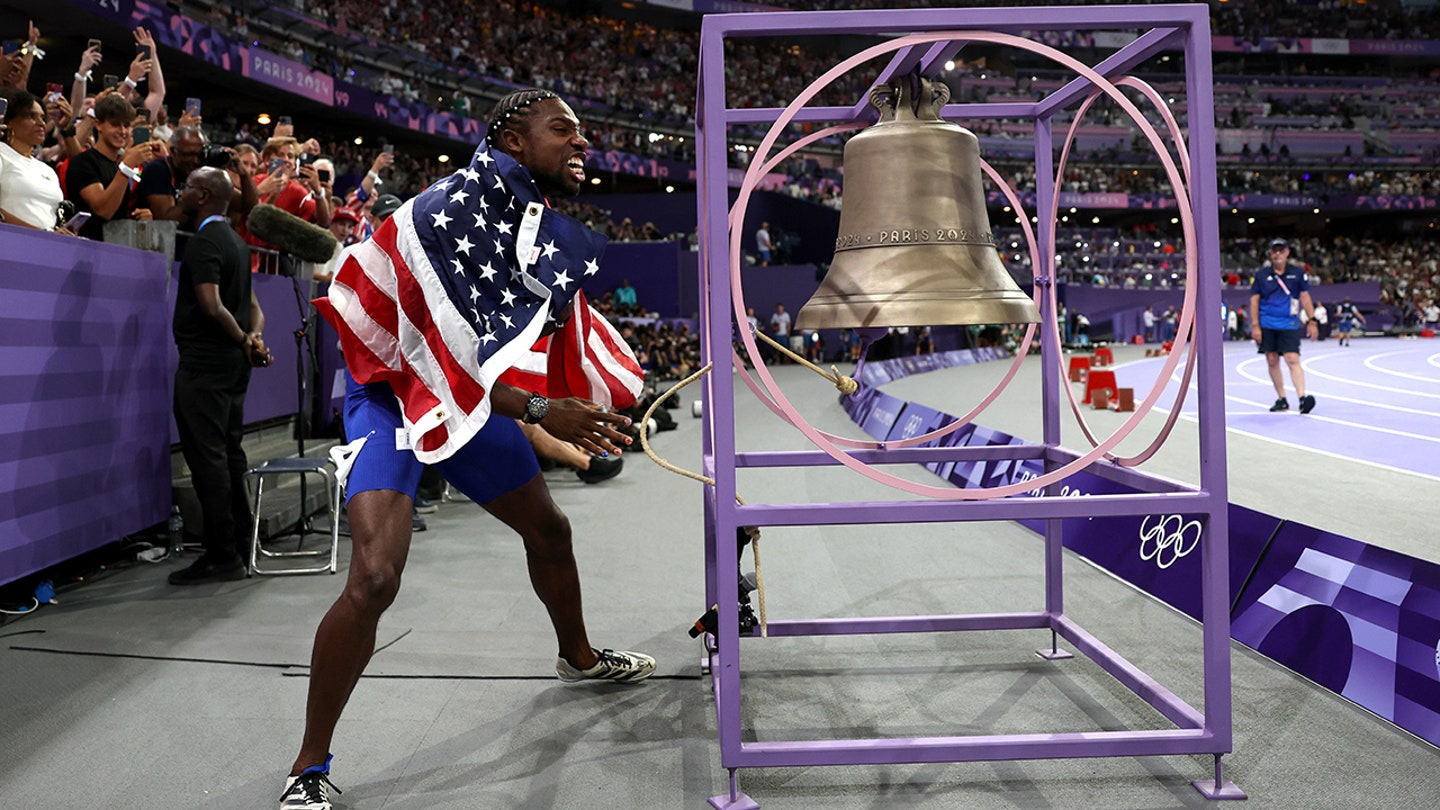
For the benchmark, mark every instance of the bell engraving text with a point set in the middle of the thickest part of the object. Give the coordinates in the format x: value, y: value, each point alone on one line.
x: 913, y: 236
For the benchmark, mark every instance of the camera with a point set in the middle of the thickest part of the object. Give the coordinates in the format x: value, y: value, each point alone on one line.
x: 215, y: 156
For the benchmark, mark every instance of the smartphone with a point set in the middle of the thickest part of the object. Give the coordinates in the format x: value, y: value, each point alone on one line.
x: 4, y: 106
x: 111, y: 81
x: 323, y: 175
x: 75, y: 223
x: 10, y: 46
x: 389, y: 149
x: 94, y: 43
x: 192, y: 105
x: 142, y: 135
x: 143, y: 114
x: 143, y: 51
x: 53, y: 92
x: 275, y: 165
x: 283, y: 121
x: 306, y: 159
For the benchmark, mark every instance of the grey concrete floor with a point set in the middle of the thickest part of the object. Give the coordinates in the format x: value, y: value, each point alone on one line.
x: 134, y: 694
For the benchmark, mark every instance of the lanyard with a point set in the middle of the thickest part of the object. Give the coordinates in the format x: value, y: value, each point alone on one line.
x: 210, y: 219
x: 1279, y: 279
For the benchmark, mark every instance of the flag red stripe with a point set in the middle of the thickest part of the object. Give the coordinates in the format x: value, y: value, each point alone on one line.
x: 365, y: 366
x: 466, y: 392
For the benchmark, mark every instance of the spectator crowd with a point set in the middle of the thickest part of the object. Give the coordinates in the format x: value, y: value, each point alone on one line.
x: 64, y: 148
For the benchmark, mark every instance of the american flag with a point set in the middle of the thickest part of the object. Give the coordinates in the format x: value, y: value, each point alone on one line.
x: 453, y: 290
x: 586, y: 357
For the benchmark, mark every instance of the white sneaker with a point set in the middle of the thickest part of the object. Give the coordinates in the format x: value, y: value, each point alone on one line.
x: 309, y: 791
x: 620, y: 666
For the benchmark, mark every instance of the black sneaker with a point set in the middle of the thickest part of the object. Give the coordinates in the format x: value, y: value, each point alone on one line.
x: 619, y: 666
x: 424, y: 506
x: 204, y: 572
x: 310, y: 790
x: 1281, y: 404
x: 417, y: 523
x: 1307, y: 404
x: 601, y: 469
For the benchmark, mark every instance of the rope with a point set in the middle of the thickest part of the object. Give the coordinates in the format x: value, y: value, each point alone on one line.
x: 753, y: 531
x: 844, y: 384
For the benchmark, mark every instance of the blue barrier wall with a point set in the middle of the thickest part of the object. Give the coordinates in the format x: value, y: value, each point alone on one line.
x: 84, y: 440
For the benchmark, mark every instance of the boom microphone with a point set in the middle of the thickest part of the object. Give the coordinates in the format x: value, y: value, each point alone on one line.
x: 291, y: 234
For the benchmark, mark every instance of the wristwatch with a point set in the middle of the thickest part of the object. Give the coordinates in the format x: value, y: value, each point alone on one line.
x: 535, y: 409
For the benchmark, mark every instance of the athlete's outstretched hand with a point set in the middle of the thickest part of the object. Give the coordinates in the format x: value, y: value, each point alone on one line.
x: 586, y: 424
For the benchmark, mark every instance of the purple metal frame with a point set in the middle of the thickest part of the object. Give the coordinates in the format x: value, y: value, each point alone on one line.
x: 1164, y: 26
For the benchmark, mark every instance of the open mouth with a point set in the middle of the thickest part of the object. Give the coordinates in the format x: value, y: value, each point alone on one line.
x: 576, y: 165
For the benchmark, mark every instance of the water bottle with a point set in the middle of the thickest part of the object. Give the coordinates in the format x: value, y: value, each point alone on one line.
x: 176, y: 528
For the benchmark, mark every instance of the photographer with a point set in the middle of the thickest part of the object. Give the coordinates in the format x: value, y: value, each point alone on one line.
x: 162, y: 178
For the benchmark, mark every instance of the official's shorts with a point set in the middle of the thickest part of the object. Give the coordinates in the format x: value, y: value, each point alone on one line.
x: 1279, y: 341
x: 497, y: 460
x: 1345, y: 327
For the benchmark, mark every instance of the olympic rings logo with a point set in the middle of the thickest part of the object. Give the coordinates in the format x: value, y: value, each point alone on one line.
x: 1168, y: 539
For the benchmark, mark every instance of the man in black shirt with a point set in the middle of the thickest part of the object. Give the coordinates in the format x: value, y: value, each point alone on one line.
x: 162, y: 178
x: 217, y: 329
x: 101, y: 179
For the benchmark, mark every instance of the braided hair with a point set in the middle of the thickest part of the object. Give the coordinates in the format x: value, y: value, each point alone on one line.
x: 511, y: 110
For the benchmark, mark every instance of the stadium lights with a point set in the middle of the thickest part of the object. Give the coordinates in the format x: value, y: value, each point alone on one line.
x: 263, y: 119
x: 669, y: 189
x: 443, y: 158
x: 359, y: 139
x: 594, y: 181
x: 950, y: 65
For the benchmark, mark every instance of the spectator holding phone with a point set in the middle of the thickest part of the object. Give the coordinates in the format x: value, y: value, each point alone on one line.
x: 145, y: 65
x: 100, y: 180
x: 89, y: 60
x: 383, y: 161
x: 162, y: 178
x: 292, y: 188
x: 29, y: 189
x: 15, y: 67
x: 325, y: 177
x: 59, y: 122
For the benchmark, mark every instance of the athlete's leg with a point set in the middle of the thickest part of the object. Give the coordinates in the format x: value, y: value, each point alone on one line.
x: 531, y: 512
x: 381, y: 486
x: 380, y: 530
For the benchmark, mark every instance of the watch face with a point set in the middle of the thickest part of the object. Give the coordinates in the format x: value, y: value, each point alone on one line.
x: 537, y: 408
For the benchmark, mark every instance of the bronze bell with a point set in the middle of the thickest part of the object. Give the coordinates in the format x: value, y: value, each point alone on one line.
x: 915, y: 245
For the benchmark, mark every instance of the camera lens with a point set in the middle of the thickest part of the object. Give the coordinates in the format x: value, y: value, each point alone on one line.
x: 214, y: 156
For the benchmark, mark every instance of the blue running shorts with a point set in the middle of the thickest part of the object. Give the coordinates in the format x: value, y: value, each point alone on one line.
x: 496, y: 461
